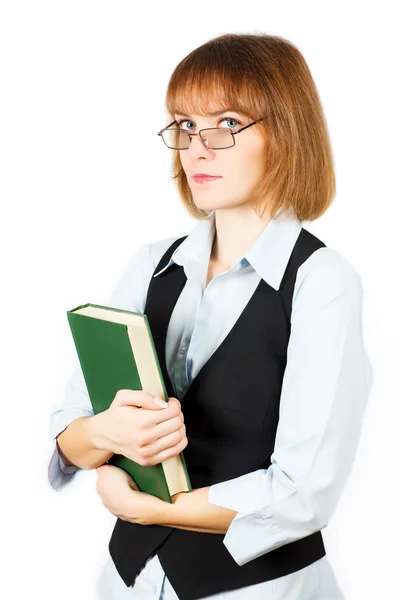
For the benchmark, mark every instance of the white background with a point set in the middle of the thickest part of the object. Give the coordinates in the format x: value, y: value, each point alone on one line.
x: 85, y: 181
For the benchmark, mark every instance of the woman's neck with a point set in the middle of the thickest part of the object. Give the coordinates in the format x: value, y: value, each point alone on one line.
x: 236, y: 230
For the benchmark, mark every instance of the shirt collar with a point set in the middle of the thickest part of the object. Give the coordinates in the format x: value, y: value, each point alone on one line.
x: 268, y: 255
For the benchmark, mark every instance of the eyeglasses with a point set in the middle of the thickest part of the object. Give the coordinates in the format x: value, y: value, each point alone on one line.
x: 214, y: 138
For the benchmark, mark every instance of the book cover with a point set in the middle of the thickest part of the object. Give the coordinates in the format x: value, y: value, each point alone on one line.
x: 116, y: 351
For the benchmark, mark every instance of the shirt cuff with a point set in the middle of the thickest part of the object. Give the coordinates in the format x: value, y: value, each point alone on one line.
x: 241, y: 494
x: 251, y: 535
x: 252, y: 491
x: 67, y: 469
x: 59, y: 474
x: 270, y: 512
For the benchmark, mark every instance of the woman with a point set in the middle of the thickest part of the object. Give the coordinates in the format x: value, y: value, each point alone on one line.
x: 258, y: 326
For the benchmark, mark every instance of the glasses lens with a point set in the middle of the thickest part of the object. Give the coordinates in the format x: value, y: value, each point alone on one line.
x: 178, y: 139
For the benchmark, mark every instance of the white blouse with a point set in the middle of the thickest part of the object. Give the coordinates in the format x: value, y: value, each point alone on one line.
x: 325, y: 389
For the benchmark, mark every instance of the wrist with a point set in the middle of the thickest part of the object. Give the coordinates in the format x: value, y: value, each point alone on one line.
x: 96, y: 428
x: 162, y: 513
x: 145, y: 509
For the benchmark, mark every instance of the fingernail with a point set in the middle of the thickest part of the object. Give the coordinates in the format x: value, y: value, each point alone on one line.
x: 160, y: 402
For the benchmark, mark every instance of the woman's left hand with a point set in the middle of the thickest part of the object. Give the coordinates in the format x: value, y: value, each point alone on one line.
x: 121, y: 496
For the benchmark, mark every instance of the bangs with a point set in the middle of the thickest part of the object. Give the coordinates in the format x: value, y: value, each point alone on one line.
x: 208, y: 82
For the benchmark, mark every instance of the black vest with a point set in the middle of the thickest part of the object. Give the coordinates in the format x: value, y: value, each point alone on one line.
x: 231, y: 412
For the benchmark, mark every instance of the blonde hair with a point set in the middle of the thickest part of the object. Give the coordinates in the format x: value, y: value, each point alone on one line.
x: 261, y: 76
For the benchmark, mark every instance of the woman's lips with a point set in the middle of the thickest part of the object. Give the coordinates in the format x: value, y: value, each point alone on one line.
x: 205, y: 178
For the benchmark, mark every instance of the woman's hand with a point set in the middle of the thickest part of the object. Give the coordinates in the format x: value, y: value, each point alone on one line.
x: 121, y: 496
x: 135, y: 427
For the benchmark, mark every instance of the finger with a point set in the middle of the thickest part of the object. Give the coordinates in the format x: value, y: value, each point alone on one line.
x: 170, y: 452
x: 138, y: 399
x: 167, y: 442
x: 173, y: 410
x: 164, y: 428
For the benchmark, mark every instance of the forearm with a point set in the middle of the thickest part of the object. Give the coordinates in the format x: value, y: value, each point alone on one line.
x: 192, y: 511
x: 78, y: 443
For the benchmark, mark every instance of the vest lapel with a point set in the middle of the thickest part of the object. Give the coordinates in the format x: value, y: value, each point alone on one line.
x: 159, y: 312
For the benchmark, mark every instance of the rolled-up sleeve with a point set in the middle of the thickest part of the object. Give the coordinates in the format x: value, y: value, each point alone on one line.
x: 324, y: 394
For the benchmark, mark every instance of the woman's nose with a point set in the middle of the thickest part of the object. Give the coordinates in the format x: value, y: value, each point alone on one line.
x: 198, y: 147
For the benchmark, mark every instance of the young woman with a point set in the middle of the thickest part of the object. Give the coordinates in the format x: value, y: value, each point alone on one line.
x: 258, y: 326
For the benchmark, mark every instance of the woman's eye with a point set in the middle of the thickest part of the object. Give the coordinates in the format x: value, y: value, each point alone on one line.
x: 234, y: 121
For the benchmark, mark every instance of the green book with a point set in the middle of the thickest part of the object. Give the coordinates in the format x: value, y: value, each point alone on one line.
x: 116, y: 351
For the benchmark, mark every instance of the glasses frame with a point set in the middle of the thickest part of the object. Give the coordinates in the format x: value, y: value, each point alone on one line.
x: 233, y: 133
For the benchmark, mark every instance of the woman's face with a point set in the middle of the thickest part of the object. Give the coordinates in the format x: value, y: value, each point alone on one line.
x: 240, y: 167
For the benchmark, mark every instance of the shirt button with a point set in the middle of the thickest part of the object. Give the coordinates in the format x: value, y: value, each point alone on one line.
x: 183, y: 350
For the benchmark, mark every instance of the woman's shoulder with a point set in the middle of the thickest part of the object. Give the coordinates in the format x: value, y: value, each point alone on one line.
x: 156, y: 249
x: 328, y: 273
x: 130, y: 291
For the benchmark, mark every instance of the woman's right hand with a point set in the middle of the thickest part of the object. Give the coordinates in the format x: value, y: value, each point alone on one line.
x: 139, y: 429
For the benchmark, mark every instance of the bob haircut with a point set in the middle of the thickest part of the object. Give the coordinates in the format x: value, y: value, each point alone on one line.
x: 261, y: 76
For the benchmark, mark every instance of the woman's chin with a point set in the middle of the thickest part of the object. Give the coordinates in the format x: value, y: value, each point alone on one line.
x: 204, y: 203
